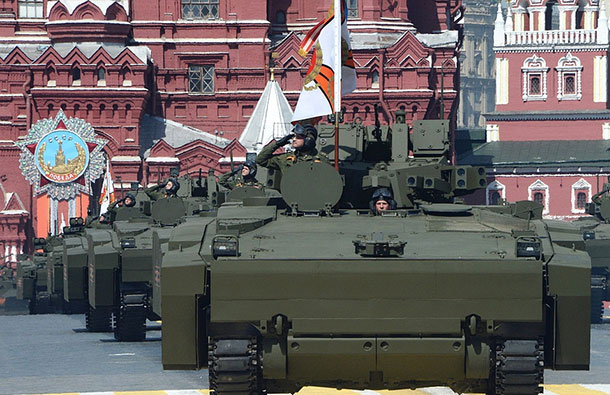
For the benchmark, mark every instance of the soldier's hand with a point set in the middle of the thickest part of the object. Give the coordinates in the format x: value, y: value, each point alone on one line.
x: 285, y: 140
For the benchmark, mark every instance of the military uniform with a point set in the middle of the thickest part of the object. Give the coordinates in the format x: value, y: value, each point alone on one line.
x: 281, y: 162
x: 113, y: 208
x: 156, y: 192
x: 232, y: 181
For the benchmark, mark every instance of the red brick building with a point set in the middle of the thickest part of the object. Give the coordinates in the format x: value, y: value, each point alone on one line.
x: 174, y: 82
x: 549, y: 138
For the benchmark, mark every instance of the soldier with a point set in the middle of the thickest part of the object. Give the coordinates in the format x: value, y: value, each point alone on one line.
x: 382, y: 200
x: 164, y: 190
x: 247, y: 177
x: 304, y: 144
x: 128, y: 201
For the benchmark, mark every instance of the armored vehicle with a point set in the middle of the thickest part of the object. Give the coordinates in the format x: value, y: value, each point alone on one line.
x: 75, y: 275
x: 317, y: 291
x: 588, y: 233
x: 32, y: 277
x: 120, y: 259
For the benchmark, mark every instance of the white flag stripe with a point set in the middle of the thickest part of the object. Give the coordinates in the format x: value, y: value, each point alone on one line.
x: 598, y: 387
x: 326, y: 81
x: 438, y: 391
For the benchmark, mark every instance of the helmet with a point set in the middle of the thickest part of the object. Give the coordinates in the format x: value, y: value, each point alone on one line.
x: 175, y: 186
x: 252, y: 166
x: 307, y: 132
x: 129, y: 196
x: 382, y: 194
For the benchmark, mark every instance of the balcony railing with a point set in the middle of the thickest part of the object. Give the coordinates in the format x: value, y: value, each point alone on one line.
x: 551, y: 37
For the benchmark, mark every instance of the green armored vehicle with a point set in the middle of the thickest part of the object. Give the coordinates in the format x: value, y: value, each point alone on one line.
x: 317, y: 291
x: 32, y: 278
x: 120, y: 259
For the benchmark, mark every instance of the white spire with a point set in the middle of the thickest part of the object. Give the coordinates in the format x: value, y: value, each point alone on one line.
x: 509, y: 20
x: 602, y: 24
x: 270, y: 119
x: 499, y: 40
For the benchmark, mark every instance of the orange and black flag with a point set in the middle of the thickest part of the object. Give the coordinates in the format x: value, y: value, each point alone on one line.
x: 318, y: 94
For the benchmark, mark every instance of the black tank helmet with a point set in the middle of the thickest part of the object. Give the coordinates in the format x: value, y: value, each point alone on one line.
x: 175, y: 186
x: 382, y: 194
x: 252, y: 166
x: 131, y: 197
x: 307, y: 132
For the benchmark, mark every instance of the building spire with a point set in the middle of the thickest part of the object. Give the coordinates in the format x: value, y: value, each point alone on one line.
x: 509, y: 20
x: 602, y: 24
x: 499, y: 35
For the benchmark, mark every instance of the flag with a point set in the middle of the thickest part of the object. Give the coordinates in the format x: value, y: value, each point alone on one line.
x: 329, y: 72
x: 107, y: 195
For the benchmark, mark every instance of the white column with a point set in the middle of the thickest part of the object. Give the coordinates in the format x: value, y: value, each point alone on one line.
x: 602, y: 24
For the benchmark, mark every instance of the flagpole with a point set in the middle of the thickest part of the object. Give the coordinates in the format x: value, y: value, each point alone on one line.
x: 337, y: 83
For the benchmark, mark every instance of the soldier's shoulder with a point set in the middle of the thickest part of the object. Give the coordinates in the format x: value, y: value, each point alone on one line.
x: 321, y: 156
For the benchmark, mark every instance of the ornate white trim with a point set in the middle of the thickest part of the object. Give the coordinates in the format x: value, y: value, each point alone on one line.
x: 534, y: 65
x: 492, y: 132
x: 495, y: 186
x: 539, y: 186
x: 580, y: 186
x: 569, y: 64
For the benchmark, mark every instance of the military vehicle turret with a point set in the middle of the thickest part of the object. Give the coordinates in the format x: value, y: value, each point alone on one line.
x: 317, y: 291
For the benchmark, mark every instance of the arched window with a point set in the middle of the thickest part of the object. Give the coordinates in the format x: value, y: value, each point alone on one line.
x: 539, y: 193
x: 569, y: 86
x: 496, y: 192
x: 50, y: 75
x: 76, y: 76
x: 375, y: 79
x: 581, y: 200
x: 126, y: 76
x: 101, y: 76
x: 534, y: 73
x: 581, y: 193
x: 552, y: 15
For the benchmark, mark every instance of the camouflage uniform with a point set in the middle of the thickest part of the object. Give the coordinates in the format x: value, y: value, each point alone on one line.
x: 281, y: 162
x: 232, y: 181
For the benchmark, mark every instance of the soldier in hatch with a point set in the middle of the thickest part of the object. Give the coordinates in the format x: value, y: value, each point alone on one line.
x: 128, y: 201
x: 382, y: 200
x: 241, y: 177
x: 164, y: 190
x: 304, y: 144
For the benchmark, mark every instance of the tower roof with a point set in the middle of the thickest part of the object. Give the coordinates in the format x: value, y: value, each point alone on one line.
x: 270, y: 119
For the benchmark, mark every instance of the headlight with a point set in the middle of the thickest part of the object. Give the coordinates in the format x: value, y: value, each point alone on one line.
x: 528, y: 247
x: 225, y: 246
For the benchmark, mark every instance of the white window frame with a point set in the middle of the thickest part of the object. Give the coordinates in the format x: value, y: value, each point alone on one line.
x: 539, y: 186
x: 569, y: 65
x: 531, y: 66
x: 30, y: 9
x: 580, y: 186
x: 495, y: 186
